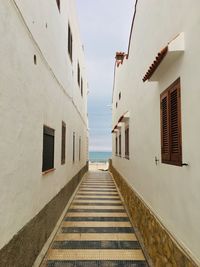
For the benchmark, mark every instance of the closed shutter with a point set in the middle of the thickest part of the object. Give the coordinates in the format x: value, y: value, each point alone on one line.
x: 165, y: 135
x: 175, y: 123
x: 116, y: 145
x: 171, y: 144
x: 74, y: 141
x: 120, y: 145
x: 127, y: 142
x: 63, y: 144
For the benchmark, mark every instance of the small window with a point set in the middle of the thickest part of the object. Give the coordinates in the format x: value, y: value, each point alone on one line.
x: 171, y: 144
x: 58, y: 4
x: 48, y: 149
x: 120, y: 145
x: 81, y: 86
x: 79, y: 148
x: 35, y: 59
x: 116, y: 145
x: 78, y: 74
x: 116, y: 104
x: 127, y: 142
x: 120, y: 95
x: 70, y: 42
x: 63, y: 143
x: 74, y: 146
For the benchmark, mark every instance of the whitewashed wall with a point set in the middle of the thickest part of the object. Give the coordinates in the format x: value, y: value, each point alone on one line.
x: 173, y: 193
x: 34, y: 95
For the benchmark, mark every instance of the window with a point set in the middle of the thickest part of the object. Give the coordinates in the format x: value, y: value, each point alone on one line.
x: 120, y: 145
x: 171, y: 145
x: 78, y: 74
x: 120, y: 95
x: 48, y: 149
x: 127, y: 142
x: 81, y: 86
x: 58, y: 4
x: 79, y: 148
x: 35, y: 59
x: 74, y: 146
x: 63, y: 143
x: 116, y: 145
x: 70, y: 42
x: 116, y: 104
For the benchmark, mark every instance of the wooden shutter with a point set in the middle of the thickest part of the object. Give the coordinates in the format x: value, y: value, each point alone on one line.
x: 175, y: 123
x: 116, y: 145
x: 171, y: 144
x: 127, y: 142
x: 165, y: 134
x: 63, y: 144
x: 74, y: 144
x: 120, y: 145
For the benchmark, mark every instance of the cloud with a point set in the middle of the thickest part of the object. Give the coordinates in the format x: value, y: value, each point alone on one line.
x: 105, y: 28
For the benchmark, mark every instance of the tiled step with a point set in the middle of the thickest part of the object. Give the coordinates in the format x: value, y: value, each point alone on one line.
x: 96, y: 230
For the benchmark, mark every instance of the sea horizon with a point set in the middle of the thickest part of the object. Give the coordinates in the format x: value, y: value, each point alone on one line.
x: 99, y: 156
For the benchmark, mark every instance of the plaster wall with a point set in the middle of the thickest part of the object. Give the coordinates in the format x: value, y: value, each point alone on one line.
x: 171, y: 192
x: 32, y: 96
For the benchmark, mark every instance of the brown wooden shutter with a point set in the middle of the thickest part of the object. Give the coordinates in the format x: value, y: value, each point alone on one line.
x: 63, y: 143
x: 120, y: 145
x: 127, y: 142
x: 175, y: 123
x: 165, y: 135
x: 116, y: 145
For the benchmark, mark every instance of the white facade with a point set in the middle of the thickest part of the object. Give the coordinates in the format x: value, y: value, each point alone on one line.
x: 33, y: 95
x: 171, y: 192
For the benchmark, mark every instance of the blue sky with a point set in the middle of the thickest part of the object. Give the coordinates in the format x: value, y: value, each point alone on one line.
x: 105, y: 28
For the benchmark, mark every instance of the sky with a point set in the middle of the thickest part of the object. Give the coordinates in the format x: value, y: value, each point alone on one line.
x: 105, y: 28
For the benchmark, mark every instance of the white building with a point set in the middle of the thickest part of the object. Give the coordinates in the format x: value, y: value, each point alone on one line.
x: 156, y: 129
x: 44, y: 126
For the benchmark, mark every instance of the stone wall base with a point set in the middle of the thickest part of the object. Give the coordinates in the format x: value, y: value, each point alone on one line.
x: 25, y: 246
x: 163, y: 250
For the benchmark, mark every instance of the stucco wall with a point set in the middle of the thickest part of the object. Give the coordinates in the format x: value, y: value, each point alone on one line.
x: 31, y: 96
x: 171, y: 192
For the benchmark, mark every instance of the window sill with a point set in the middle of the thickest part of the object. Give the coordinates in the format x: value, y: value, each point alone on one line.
x: 48, y: 171
x: 179, y: 164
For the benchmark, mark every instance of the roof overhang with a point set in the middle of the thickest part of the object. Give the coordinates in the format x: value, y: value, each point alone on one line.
x: 123, y: 119
x: 165, y: 57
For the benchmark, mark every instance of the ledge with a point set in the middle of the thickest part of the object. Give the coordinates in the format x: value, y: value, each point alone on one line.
x: 165, y: 57
x: 48, y: 171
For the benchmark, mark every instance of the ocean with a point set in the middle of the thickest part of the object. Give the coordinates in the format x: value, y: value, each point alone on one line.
x: 99, y: 156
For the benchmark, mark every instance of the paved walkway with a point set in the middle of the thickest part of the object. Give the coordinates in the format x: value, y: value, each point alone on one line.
x: 96, y: 230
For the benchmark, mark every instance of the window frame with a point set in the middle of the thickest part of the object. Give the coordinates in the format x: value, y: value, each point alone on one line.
x: 80, y: 147
x: 63, y: 143
x: 120, y: 144
x: 48, y: 166
x: 81, y: 86
x: 170, y: 125
x: 78, y: 74
x: 74, y: 147
x: 127, y: 141
x: 70, y: 43
x: 116, y: 145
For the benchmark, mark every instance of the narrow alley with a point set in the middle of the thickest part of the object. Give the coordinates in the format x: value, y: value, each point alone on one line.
x: 96, y: 230
x: 99, y: 133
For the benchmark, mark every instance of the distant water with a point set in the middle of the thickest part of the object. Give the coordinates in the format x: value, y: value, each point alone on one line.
x: 99, y: 156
